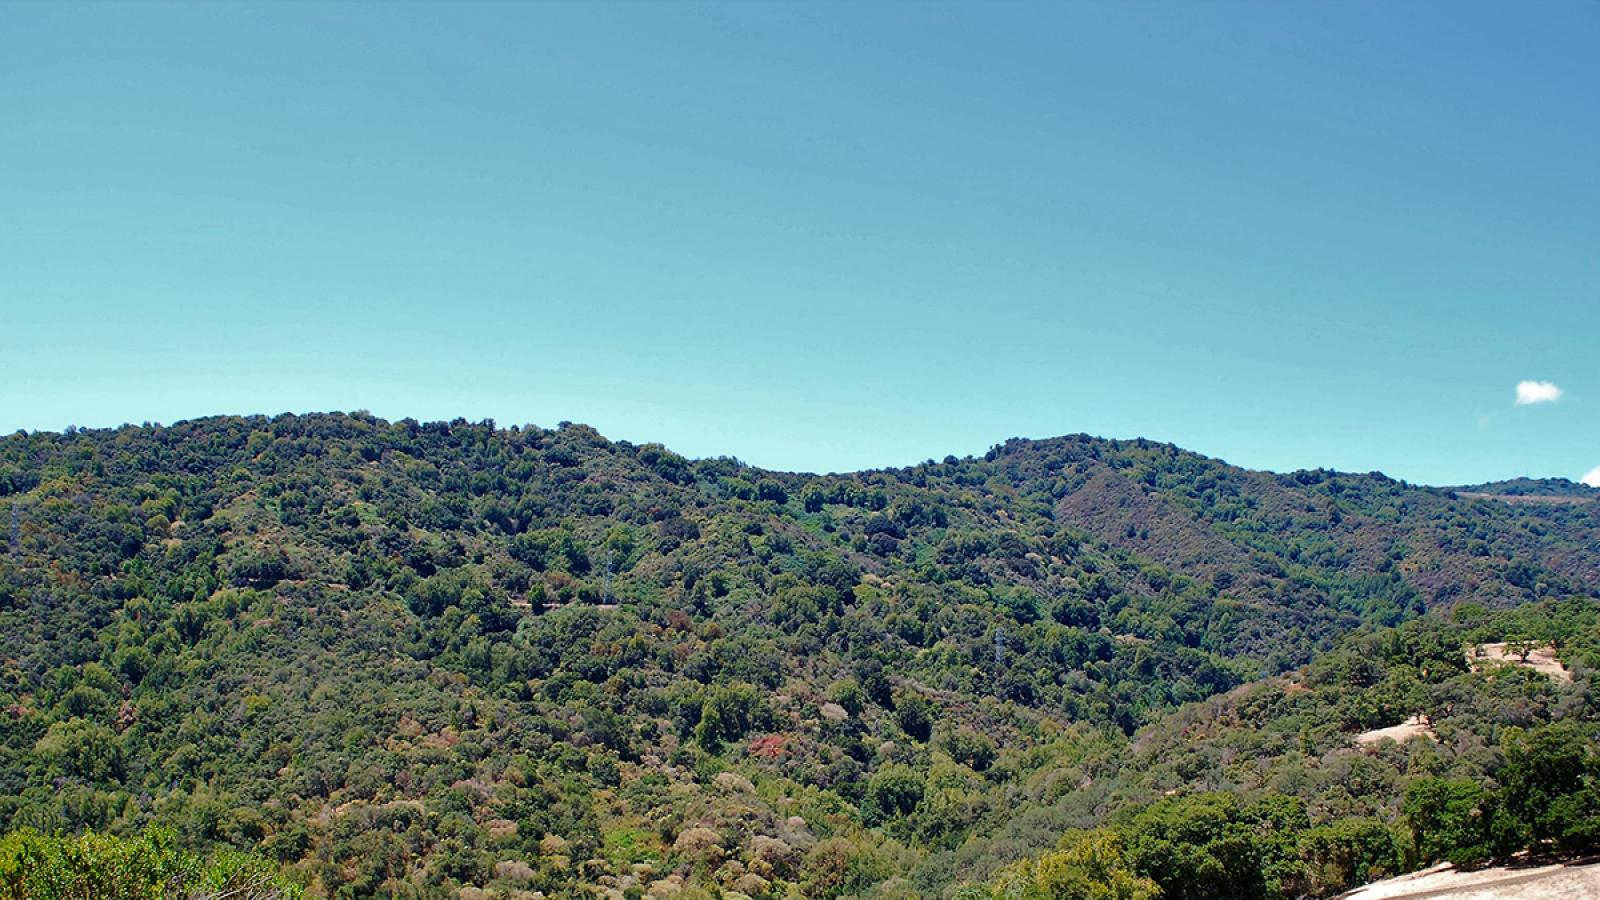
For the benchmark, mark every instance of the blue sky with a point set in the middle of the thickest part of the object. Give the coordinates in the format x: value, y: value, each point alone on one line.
x: 819, y: 236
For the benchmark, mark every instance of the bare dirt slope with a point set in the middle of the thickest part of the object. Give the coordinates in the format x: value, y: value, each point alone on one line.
x: 1578, y: 880
x: 1405, y: 731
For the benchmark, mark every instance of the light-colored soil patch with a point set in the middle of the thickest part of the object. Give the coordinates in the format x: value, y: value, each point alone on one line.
x: 1559, y: 881
x: 1540, y: 659
x: 1415, y: 726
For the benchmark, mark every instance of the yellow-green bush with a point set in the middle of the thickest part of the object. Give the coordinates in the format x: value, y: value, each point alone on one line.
x: 91, y: 866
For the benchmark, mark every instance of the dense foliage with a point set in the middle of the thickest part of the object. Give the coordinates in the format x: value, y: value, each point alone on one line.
x: 146, y: 867
x: 410, y: 659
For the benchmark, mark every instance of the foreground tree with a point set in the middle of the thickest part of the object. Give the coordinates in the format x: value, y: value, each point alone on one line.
x: 1088, y: 865
x: 149, y: 867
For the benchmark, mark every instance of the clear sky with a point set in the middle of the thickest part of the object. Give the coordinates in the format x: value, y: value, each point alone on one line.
x: 821, y: 236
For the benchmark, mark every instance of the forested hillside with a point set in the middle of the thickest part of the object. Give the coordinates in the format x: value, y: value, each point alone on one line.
x: 442, y: 659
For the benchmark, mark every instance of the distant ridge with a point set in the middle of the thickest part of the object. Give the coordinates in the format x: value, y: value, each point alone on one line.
x: 1532, y: 490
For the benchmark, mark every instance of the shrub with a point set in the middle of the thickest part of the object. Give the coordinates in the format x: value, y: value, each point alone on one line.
x: 38, y: 867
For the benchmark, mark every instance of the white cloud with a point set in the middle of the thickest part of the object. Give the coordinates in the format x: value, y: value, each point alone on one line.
x: 1529, y: 392
x: 1593, y: 478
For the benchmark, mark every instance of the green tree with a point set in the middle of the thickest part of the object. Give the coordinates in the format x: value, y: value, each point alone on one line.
x: 893, y: 791
x: 1551, y: 785
x: 727, y: 713
x: 771, y: 490
x: 1087, y: 865
x: 914, y: 715
x: 147, y: 867
x: 1448, y: 819
x: 1347, y: 853
x: 84, y: 750
x: 1197, y: 847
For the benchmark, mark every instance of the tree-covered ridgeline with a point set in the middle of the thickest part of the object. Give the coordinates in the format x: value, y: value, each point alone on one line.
x: 408, y: 659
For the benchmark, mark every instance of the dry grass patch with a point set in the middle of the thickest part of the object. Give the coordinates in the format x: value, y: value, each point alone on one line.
x: 1538, y: 657
x: 1416, y: 726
